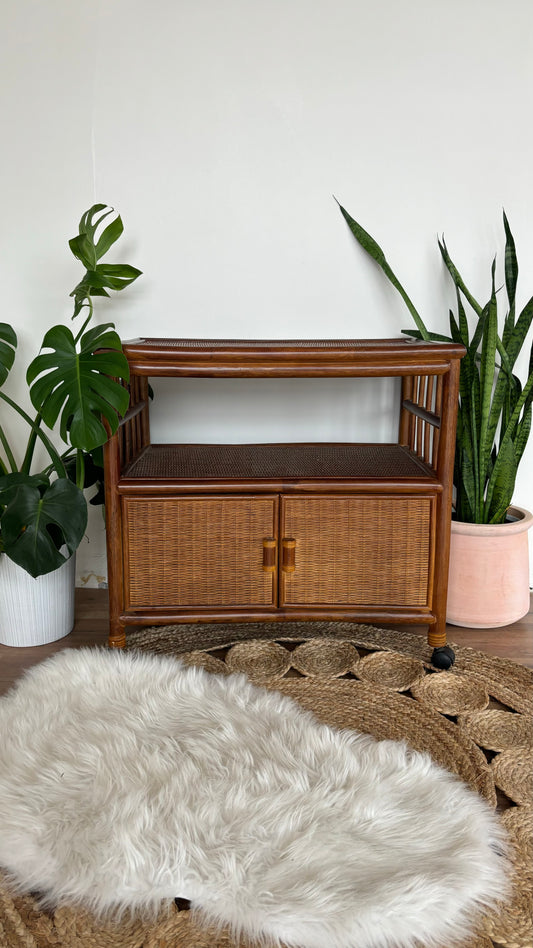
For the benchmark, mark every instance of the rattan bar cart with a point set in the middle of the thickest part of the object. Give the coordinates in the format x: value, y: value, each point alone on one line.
x: 228, y: 533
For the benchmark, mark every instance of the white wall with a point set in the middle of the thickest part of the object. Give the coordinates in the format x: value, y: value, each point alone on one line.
x: 220, y: 131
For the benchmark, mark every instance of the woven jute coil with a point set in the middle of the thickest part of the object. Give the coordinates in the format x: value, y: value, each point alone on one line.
x: 205, y: 660
x: 450, y: 694
x: 177, y: 639
x: 261, y: 661
x: 510, y: 924
x: 518, y: 821
x: 281, y: 656
x: 183, y: 931
x: 77, y: 929
x: 497, y: 730
x: 323, y: 658
x: 478, y: 941
x: 513, y: 774
x: 509, y: 683
x: 398, y: 672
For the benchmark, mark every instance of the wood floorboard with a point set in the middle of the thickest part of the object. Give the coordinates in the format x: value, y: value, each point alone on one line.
x: 514, y: 641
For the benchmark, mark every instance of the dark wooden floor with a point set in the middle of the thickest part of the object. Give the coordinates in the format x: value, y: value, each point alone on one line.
x: 513, y: 641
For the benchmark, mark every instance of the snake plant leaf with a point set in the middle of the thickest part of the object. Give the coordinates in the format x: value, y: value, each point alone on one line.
x: 472, y: 411
x: 372, y: 247
x: 457, y: 278
x: 463, y: 322
x: 468, y: 366
x: 468, y: 362
x: 8, y: 344
x: 507, y: 391
x: 479, y: 331
x: 502, y: 483
x: 486, y: 378
x: 78, y: 383
x: 511, y: 264
x: 511, y: 278
x: 508, y: 435
x: 33, y: 514
x: 522, y: 433
x: 431, y: 336
x: 520, y: 331
x: 464, y: 469
x: 455, y: 331
x: 473, y: 355
x: 523, y: 424
x: 506, y: 367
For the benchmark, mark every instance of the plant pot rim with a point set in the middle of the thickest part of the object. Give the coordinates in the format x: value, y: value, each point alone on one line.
x: 522, y: 523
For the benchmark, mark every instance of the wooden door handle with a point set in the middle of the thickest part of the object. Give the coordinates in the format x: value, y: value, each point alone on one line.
x: 269, y: 554
x: 288, y: 555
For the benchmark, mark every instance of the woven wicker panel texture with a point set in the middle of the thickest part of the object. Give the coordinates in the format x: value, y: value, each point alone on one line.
x: 276, y: 461
x: 220, y: 559
x: 475, y: 720
x: 388, y: 566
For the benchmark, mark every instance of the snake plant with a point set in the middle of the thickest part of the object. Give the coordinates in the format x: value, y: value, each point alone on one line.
x: 494, y: 412
x: 75, y: 380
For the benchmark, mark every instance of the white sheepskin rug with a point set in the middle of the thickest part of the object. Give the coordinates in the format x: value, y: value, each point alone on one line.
x: 129, y: 779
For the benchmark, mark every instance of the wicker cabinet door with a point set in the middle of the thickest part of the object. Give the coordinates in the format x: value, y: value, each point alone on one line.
x: 372, y: 550
x: 183, y: 552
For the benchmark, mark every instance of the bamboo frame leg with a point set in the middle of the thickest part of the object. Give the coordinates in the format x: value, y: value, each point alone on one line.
x: 117, y: 629
x: 437, y: 634
x: 443, y: 656
x: 117, y: 634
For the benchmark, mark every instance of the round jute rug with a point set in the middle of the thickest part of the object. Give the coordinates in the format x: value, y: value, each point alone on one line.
x: 475, y: 720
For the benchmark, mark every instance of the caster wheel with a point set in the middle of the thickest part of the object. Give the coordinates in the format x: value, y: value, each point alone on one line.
x: 443, y: 657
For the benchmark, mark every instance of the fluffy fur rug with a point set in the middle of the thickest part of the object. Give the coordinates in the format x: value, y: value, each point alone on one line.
x: 128, y: 779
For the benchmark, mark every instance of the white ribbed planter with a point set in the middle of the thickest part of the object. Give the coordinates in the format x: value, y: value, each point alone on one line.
x: 35, y: 611
x: 488, y: 583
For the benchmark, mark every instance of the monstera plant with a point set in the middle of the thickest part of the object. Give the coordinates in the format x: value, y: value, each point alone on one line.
x: 76, y: 382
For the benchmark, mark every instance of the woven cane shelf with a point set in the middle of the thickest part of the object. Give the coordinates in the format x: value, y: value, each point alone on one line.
x: 184, y: 462
x: 203, y: 533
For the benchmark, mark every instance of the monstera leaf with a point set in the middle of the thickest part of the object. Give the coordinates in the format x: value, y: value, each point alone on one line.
x: 8, y: 344
x: 99, y: 277
x: 77, y: 381
x: 40, y: 517
x: 10, y: 484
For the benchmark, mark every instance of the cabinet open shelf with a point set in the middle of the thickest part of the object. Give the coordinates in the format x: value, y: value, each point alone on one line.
x: 277, y: 462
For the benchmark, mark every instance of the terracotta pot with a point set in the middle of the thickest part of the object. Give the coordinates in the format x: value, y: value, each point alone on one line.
x: 489, y: 572
x: 35, y: 611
